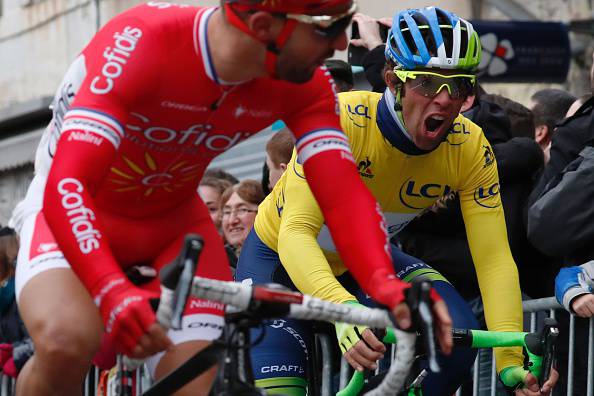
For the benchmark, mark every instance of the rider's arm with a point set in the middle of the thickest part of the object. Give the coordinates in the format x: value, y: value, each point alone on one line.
x: 573, y: 282
x: 487, y: 238
x: 350, y: 211
x: 298, y: 248
x: 77, y: 170
x: 90, y: 136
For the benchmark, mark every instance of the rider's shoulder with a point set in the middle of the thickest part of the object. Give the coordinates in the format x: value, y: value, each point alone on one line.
x: 359, y: 97
x: 161, y: 15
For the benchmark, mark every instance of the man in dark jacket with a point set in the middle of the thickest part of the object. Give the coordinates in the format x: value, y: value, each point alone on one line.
x: 560, y: 218
x: 569, y: 138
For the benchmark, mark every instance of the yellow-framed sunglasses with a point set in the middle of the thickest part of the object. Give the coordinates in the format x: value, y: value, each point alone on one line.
x: 429, y: 84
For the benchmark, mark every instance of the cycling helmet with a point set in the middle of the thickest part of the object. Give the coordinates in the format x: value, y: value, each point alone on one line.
x: 309, y: 7
x: 432, y: 38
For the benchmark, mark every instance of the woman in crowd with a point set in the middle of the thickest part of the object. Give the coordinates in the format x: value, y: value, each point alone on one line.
x: 239, y: 205
x: 210, y: 190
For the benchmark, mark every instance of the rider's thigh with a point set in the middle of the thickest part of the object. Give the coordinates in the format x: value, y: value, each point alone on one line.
x: 202, y: 320
x: 177, y: 355
x: 61, y: 318
x: 456, y: 366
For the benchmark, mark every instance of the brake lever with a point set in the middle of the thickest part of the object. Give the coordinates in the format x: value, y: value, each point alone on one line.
x: 178, y: 276
x: 541, y: 350
x: 419, y: 301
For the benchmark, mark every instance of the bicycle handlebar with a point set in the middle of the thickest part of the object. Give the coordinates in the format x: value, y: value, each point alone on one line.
x: 178, y: 283
x: 540, y: 347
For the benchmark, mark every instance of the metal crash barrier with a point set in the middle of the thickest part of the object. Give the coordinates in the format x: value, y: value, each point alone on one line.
x: 535, y: 312
x: 485, y: 381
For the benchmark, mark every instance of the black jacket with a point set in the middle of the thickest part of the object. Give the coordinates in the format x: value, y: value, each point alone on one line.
x: 561, y: 221
x: 569, y: 138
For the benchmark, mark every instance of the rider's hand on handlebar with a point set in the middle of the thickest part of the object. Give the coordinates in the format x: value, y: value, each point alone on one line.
x: 153, y: 341
x: 531, y: 385
x: 129, y: 319
x: 359, y: 345
x: 528, y: 382
x: 366, y: 352
x: 442, y: 321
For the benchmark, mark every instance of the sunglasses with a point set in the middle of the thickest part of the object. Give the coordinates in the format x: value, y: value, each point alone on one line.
x: 328, y: 26
x: 429, y: 84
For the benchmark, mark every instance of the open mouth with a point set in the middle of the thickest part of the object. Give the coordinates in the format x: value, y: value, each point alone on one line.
x: 433, y: 123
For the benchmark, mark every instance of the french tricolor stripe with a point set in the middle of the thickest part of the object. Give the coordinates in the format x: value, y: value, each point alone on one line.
x: 320, y: 141
x: 92, y: 121
x: 201, y: 40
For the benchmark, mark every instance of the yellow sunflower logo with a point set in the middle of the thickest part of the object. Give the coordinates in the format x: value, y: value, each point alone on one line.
x: 147, y: 176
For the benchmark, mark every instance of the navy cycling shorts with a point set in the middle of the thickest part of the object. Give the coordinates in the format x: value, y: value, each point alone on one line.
x: 287, y: 343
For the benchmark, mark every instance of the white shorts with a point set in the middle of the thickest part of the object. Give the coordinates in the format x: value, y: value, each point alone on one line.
x: 39, y: 252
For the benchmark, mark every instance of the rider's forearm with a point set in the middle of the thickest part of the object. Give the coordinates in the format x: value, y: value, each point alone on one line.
x: 71, y: 213
x: 500, y: 290
x: 496, y: 271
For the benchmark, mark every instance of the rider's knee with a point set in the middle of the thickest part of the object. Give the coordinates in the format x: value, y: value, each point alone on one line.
x: 66, y: 343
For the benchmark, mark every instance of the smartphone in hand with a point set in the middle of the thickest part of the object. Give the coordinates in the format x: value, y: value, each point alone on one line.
x: 356, y: 54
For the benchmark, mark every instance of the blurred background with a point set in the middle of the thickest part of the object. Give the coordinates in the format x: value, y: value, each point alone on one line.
x: 529, y: 45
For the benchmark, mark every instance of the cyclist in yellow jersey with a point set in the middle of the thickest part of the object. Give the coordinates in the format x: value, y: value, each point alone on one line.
x: 412, y: 147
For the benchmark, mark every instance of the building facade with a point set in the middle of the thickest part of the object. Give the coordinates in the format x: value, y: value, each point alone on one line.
x: 39, y: 39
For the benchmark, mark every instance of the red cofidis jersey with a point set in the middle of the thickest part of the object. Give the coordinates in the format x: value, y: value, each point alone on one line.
x: 141, y: 113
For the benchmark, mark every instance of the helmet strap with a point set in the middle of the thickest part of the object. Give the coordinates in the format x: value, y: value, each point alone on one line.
x: 398, y: 103
x: 273, y: 48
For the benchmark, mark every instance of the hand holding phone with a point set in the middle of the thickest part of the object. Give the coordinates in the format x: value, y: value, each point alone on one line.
x: 366, y: 34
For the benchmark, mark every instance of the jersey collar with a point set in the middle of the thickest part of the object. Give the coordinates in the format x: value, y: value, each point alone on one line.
x: 202, y: 48
x: 391, y: 127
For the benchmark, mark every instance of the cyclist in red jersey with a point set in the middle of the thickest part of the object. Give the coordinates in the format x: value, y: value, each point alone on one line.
x: 160, y: 91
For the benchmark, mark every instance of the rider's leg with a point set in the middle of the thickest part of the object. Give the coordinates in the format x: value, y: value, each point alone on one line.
x: 455, y: 368
x: 202, y: 320
x: 279, y: 362
x: 59, y: 314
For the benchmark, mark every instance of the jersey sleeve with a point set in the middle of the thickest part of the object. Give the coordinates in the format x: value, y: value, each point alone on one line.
x: 120, y: 63
x: 298, y: 249
x: 487, y: 238
x: 351, y: 212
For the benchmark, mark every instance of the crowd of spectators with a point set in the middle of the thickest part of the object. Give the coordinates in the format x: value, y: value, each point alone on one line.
x: 545, y: 160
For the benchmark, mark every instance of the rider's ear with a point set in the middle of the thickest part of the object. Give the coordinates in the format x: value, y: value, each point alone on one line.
x: 391, y: 80
x: 264, y: 25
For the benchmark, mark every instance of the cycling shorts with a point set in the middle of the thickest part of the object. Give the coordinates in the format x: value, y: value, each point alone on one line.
x: 162, y: 238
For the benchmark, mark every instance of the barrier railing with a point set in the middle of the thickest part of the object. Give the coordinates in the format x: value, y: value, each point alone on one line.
x: 537, y: 309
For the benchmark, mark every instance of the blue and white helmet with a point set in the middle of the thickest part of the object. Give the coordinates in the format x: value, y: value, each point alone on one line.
x: 432, y: 38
